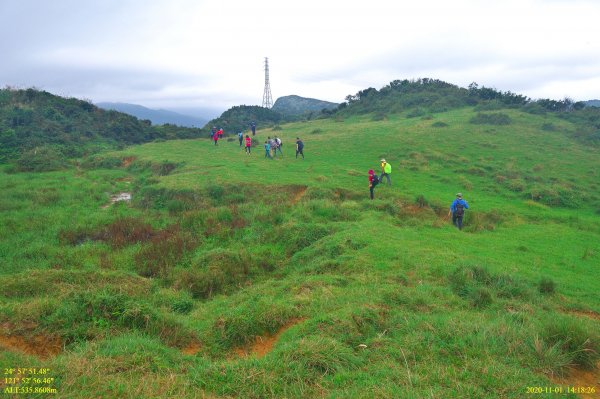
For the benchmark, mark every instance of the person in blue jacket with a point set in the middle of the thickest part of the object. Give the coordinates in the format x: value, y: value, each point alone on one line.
x: 457, y: 209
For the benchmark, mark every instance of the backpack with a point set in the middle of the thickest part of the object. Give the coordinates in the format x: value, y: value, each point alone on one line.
x: 459, y: 209
x: 375, y: 180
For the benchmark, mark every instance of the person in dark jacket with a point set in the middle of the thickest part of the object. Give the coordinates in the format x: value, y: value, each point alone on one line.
x: 457, y: 209
x: 299, y: 147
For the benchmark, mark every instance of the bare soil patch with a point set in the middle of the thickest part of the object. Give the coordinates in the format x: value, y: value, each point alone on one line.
x: 127, y: 161
x: 262, y: 345
x: 585, y: 313
x: 42, y: 346
x: 583, y: 379
x: 192, y: 348
x: 297, y: 192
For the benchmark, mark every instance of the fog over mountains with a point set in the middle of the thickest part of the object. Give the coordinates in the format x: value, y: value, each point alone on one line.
x: 157, y: 116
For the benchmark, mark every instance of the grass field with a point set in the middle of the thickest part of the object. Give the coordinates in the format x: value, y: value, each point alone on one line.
x: 238, y: 276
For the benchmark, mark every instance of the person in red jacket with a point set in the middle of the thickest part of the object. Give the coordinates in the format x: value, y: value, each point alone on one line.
x: 373, y: 181
x: 216, y: 138
x: 248, y: 144
x: 220, y: 133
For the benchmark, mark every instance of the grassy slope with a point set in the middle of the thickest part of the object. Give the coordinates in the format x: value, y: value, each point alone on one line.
x: 442, y: 313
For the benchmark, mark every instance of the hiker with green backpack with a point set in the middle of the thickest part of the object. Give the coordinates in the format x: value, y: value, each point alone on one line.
x: 457, y: 209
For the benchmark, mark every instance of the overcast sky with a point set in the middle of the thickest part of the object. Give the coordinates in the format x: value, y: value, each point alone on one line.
x: 195, y: 53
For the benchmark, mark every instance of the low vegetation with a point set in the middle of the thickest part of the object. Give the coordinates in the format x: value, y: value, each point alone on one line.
x: 219, y: 252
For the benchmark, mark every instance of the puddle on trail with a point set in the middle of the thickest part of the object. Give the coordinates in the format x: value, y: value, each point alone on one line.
x: 117, y: 198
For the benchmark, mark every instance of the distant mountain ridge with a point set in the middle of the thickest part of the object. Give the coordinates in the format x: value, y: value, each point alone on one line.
x: 295, y: 105
x: 592, y: 103
x: 156, y: 116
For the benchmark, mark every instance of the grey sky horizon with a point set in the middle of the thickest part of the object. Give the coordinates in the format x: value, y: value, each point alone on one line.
x: 210, y: 54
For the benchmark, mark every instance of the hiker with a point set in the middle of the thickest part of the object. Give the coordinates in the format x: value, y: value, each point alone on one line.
x: 299, y: 147
x: 272, y: 145
x: 216, y: 138
x: 253, y: 127
x: 373, y: 181
x: 386, y: 170
x: 248, y: 144
x: 213, y: 131
x: 267, y: 149
x: 279, y: 144
x: 220, y: 132
x: 457, y: 209
x: 241, y: 137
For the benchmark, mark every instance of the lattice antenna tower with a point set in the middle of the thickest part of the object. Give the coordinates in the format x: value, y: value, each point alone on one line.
x: 267, y: 98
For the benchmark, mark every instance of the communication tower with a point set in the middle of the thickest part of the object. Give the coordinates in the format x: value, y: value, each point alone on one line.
x: 267, y: 98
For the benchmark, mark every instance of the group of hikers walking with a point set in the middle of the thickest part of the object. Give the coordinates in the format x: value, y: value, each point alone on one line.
x: 457, y: 208
x: 273, y: 145
x: 216, y: 135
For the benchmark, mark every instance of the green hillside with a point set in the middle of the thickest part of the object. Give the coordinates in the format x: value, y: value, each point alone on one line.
x: 43, y: 130
x: 296, y: 106
x: 240, y: 117
x: 230, y: 275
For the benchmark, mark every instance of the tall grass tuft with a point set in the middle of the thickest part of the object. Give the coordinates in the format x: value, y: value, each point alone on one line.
x: 547, y: 285
x: 574, y: 339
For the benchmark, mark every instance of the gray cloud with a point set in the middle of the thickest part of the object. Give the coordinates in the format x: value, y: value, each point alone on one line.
x: 169, y: 52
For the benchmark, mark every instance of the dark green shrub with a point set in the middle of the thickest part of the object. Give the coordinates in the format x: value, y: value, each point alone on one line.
x: 547, y: 286
x: 477, y: 284
x: 379, y: 116
x: 480, y: 297
x: 491, y: 119
x: 491, y: 105
x: 217, y: 271
x: 319, y: 356
x: 176, y: 206
x: 164, y: 168
x: 439, y: 124
x: 182, y: 305
x: 121, y: 232
x: 415, y: 113
x: 41, y: 159
x: 215, y: 192
x: 86, y: 315
x: 517, y: 185
x: 302, y: 236
x: 167, y: 248
x: 258, y: 316
x: 102, y: 162
x: 421, y: 201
